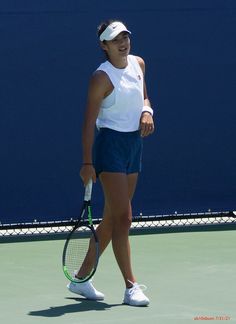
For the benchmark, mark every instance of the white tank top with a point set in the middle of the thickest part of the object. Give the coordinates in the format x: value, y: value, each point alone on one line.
x: 121, y: 110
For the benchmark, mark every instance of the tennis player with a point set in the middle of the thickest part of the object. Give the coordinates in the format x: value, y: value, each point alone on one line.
x: 119, y: 106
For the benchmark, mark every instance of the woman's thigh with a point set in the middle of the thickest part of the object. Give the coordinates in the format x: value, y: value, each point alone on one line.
x: 118, y: 190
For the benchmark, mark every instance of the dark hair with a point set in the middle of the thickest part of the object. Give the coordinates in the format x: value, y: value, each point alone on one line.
x: 103, y: 25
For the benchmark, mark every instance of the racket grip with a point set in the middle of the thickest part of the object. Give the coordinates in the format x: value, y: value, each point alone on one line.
x: 88, y: 190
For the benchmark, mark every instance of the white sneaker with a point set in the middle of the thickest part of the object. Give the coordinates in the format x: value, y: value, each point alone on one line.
x: 134, y: 296
x: 85, y: 289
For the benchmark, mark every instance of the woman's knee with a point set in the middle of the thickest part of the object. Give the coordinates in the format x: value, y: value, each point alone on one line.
x: 122, y: 221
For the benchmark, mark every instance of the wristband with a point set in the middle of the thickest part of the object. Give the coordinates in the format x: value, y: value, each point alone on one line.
x: 147, y: 109
x: 87, y: 163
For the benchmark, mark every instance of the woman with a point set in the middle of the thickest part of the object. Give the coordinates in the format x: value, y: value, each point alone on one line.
x: 118, y: 104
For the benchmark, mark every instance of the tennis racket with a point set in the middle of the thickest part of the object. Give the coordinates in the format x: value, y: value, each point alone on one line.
x: 81, y: 250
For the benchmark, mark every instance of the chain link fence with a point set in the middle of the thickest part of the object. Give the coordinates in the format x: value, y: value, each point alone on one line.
x: 141, y: 223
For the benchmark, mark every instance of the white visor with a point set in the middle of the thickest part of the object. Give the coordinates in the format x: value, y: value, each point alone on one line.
x: 113, y: 30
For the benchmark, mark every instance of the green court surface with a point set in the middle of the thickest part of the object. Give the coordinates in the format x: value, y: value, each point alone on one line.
x: 190, y: 276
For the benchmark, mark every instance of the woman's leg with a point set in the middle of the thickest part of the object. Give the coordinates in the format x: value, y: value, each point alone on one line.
x: 118, y: 191
x: 105, y: 228
x: 104, y: 232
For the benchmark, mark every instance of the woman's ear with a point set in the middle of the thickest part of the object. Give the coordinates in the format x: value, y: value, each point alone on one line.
x: 103, y: 45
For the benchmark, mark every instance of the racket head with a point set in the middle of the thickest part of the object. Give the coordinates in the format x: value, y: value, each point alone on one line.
x: 75, y: 250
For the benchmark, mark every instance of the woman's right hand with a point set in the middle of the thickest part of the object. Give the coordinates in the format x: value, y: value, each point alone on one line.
x: 87, y: 172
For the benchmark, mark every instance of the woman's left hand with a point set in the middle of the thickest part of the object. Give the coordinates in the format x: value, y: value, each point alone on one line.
x: 146, y: 124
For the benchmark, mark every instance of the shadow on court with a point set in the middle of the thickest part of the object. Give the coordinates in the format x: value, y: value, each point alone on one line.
x: 84, y: 305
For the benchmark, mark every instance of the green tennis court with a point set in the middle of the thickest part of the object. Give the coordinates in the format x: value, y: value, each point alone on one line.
x: 190, y: 276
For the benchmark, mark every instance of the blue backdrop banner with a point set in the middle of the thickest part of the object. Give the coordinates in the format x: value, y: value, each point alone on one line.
x: 48, y: 52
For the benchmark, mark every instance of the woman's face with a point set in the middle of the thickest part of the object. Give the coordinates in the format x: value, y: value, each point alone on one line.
x: 118, y: 47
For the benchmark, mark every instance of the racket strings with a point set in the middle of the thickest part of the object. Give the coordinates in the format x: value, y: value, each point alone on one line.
x: 76, y: 252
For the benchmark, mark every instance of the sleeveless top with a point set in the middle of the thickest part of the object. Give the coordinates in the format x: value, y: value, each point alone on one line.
x: 122, y: 109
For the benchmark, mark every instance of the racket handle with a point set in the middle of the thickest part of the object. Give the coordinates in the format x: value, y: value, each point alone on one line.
x: 88, y: 190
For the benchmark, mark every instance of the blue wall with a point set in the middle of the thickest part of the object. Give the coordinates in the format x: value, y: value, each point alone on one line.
x: 48, y: 50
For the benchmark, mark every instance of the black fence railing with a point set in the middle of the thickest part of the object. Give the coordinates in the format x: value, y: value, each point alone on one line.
x: 174, y: 222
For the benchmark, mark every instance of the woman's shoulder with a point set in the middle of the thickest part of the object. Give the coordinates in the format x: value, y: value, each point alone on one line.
x: 104, y: 66
x: 140, y: 61
x: 100, y: 80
